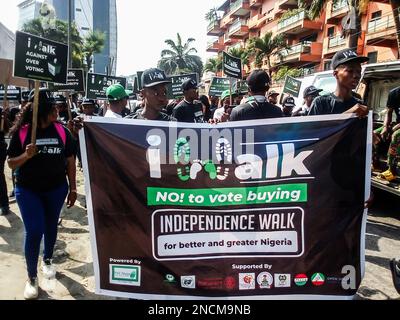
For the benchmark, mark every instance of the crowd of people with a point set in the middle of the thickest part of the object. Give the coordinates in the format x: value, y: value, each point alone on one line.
x: 45, y: 171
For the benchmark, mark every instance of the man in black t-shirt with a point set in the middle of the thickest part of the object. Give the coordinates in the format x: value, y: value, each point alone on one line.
x: 189, y: 110
x: 346, y: 65
x: 154, y: 95
x: 257, y: 106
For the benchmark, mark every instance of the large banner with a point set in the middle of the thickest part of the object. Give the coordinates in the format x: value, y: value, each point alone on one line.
x: 246, y: 210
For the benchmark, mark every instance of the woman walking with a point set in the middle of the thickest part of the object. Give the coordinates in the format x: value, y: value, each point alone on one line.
x: 41, y: 182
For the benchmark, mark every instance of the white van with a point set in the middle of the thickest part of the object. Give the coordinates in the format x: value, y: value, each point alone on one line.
x: 377, y: 80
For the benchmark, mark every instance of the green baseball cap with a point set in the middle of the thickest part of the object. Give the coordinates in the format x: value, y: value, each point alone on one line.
x: 116, y: 92
x: 226, y: 94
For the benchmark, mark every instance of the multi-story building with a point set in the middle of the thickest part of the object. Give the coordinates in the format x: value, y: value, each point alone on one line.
x: 28, y: 10
x: 105, y: 20
x: 81, y: 14
x: 312, y: 43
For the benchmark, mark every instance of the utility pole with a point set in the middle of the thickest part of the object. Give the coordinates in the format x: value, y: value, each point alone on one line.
x: 69, y: 33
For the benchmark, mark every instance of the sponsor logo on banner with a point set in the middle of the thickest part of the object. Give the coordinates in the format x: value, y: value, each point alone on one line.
x: 215, y: 283
x: 169, y: 278
x: 230, y: 283
x: 247, y: 281
x: 300, y: 280
x: 125, y: 275
x: 282, y: 280
x: 318, y: 279
x: 188, y: 282
x: 265, y: 280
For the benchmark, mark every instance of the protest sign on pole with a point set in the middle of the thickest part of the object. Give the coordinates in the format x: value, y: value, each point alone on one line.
x: 12, y: 94
x: 97, y: 84
x: 232, y: 66
x: 75, y: 82
x: 292, y: 86
x: 265, y: 209
x: 174, y: 88
x: 218, y: 85
x: 39, y: 59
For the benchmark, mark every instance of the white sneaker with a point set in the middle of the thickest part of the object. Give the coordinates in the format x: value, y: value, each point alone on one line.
x: 48, y: 269
x: 31, y: 289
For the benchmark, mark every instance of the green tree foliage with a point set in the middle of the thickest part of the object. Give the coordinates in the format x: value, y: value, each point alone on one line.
x: 179, y: 58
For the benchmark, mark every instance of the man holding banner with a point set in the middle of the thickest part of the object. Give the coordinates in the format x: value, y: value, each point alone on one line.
x: 155, y: 97
x: 257, y: 106
x: 346, y: 65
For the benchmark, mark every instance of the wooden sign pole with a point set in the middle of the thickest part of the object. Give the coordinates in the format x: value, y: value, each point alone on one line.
x: 5, y: 107
x: 35, y: 112
x: 69, y: 107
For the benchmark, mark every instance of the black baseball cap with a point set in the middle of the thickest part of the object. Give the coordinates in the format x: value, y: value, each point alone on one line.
x: 258, y: 80
x: 189, y: 84
x: 88, y: 101
x: 289, y: 102
x: 311, y: 91
x: 153, y: 77
x: 346, y: 56
x: 273, y: 93
x: 44, y: 96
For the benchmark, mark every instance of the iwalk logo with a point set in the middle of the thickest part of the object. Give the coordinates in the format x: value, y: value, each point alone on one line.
x: 125, y: 275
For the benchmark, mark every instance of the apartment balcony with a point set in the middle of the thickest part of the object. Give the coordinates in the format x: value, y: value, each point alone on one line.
x: 287, y: 4
x: 214, y: 29
x: 334, y: 44
x: 239, y: 28
x: 226, y: 21
x: 240, y: 8
x: 257, y: 21
x: 228, y: 40
x: 382, y: 32
x: 256, y: 3
x: 297, y: 24
x: 302, y: 52
x: 336, y: 10
x: 214, y: 46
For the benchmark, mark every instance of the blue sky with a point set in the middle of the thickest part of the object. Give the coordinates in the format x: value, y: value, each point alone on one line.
x: 143, y: 26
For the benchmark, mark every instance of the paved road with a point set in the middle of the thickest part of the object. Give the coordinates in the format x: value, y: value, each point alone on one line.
x: 382, y: 244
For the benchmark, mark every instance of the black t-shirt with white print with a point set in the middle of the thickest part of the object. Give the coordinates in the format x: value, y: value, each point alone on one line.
x: 394, y: 102
x: 47, y: 169
x: 331, y: 104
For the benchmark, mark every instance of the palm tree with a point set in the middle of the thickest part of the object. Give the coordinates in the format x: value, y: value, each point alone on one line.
x: 212, y: 15
x: 180, y: 58
x: 93, y: 43
x: 214, y: 64
x: 263, y: 48
x: 241, y: 53
x: 357, y: 6
x: 59, y: 34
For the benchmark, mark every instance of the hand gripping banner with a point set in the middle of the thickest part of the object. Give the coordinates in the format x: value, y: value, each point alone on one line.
x: 247, y: 210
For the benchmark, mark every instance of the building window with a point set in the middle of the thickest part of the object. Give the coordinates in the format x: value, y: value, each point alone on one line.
x: 373, y: 57
x: 376, y: 15
x: 331, y: 32
x: 327, y: 65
